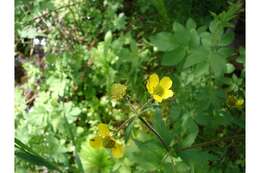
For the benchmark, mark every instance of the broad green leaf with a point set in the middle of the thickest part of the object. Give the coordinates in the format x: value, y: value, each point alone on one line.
x: 217, y: 64
x: 163, y: 41
x: 182, y: 37
x: 173, y: 57
x: 225, y: 51
x: 190, y: 130
x: 190, y: 24
x: 149, y: 155
x: 227, y: 38
x: 178, y: 27
x: 195, y: 39
x: 181, y: 167
x: 206, y: 39
x: 197, y: 56
x: 201, y: 69
x: 198, y: 160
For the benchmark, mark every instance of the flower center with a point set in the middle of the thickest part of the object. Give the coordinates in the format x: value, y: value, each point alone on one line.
x: 158, y: 90
x: 108, y: 142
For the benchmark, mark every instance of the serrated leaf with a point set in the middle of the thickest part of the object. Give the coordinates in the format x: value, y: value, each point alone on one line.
x: 163, y: 41
x: 191, y: 131
x: 197, y: 56
x: 201, y: 69
x: 198, y: 159
x: 173, y: 57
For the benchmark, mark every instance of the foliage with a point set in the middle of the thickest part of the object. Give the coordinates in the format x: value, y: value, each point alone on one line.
x: 96, y: 67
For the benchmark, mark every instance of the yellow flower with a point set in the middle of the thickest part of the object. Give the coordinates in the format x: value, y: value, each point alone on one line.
x: 103, y: 130
x: 104, y: 139
x: 233, y: 101
x: 159, y: 89
x: 239, y: 103
x: 118, y: 91
x: 118, y: 151
x: 96, y: 142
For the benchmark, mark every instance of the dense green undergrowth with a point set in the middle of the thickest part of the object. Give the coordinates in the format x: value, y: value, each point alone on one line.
x: 71, y: 57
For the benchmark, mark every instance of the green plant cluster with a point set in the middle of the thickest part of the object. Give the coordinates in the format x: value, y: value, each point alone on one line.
x: 93, y: 44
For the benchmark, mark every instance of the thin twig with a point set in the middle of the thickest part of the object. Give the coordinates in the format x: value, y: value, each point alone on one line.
x: 211, y: 142
x: 126, y: 122
x: 54, y: 10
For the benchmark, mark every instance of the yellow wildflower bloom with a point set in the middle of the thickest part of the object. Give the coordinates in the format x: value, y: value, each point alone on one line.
x: 103, y: 130
x: 118, y: 91
x: 159, y: 89
x: 104, y: 139
x: 109, y: 142
x: 96, y: 142
x: 118, y: 151
x: 239, y: 103
x: 233, y: 101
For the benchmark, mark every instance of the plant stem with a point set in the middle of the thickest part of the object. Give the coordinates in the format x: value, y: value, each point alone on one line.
x: 211, y: 142
x: 150, y: 127
x: 77, y: 158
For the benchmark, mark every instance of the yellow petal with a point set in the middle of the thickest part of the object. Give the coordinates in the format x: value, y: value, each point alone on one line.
x: 167, y: 94
x: 166, y: 83
x: 157, y: 98
x: 96, y: 142
x: 103, y: 130
x: 118, y: 151
x: 239, y: 103
x: 152, y: 82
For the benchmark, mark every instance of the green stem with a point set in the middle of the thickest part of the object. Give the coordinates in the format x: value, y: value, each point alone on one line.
x: 211, y: 142
x: 150, y: 127
x: 77, y: 158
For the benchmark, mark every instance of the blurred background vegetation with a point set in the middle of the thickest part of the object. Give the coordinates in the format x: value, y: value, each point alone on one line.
x: 69, y: 53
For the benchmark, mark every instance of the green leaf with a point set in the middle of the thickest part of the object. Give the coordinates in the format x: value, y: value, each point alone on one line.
x: 190, y: 24
x: 160, y: 127
x: 230, y: 68
x: 241, y: 58
x: 201, y: 69
x: 182, y: 37
x: 206, y: 39
x: 178, y: 27
x: 217, y: 64
x: 198, y: 160
x: 190, y: 130
x: 24, y: 152
x: 197, y: 56
x: 163, y: 41
x: 194, y: 39
x: 128, y: 131
x: 173, y: 57
x: 225, y: 51
x: 227, y: 38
